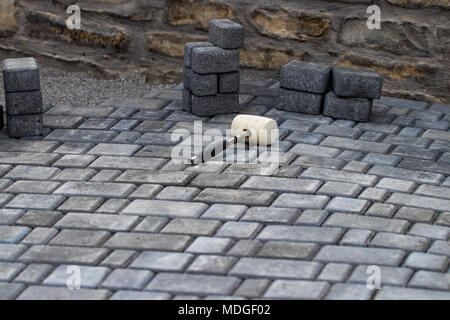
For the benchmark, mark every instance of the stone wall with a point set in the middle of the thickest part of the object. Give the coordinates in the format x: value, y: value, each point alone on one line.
x: 144, y: 38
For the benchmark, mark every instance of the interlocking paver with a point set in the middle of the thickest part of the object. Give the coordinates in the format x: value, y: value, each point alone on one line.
x: 396, y: 276
x: 360, y: 255
x: 63, y: 254
x: 162, y: 261
x: 142, y: 241
x: 101, y: 190
x: 192, y: 283
x: 275, y: 269
x: 294, y: 289
x: 90, y: 276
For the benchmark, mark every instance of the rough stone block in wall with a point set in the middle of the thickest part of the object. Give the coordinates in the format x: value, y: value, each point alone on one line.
x: 200, y: 84
x: 226, y: 34
x: 229, y: 82
x: 213, y: 105
x: 25, y: 102
x: 206, y: 60
x: 25, y: 125
x: 305, y: 76
x: 356, y: 82
x: 298, y: 101
x: 188, y: 47
x: 21, y: 75
x: 187, y: 100
x: 356, y: 109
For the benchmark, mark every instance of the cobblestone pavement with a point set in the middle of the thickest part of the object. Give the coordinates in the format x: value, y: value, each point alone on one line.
x: 99, y: 191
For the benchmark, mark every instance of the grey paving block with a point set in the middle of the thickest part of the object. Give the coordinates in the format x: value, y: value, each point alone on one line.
x: 293, y: 289
x: 113, y: 162
x: 356, y: 82
x: 360, y: 255
x: 127, y: 279
x: 430, y: 280
x: 247, y: 197
x: 81, y: 135
x: 96, y: 189
x: 188, y: 47
x: 143, y: 241
x: 119, y: 258
x: 192, y: 226
x: 335, y: 272
x: 178, y: 193
x: 426, y: 261
x: 209, y: 245
x: 25, y: 125
x: 162, y: 261
x: 281, y: 184
x: 288, y: 250
x: 415, y: 214
x: 300, y: 234
x: 418, y: 201
x: 171, y: 209
x: 224, y: 212
x: 343, y: 291
x: 211, y: 264
x: 348, y: 205
x: 139, y: 295
x: 234, y: 229
x: 107, y: 222
x: 357, y: 109
x: 392, y: 240
x: 312, y: 217
x: 39, y: 218
x: 305, y: 76
x: 216, y: 180
x: 276, y: 269
x: 270, y: 215
x: 206, y: 60
x: 245, y: 248
x: 396, y: 185
x: 9, y: 252
x: 21, y: 74
x: 22, y: 103
x: 381, y: 159
x: 35, y: 201
x: 348, y: 220
x: 81, y: 204
x: 228, y: 82
x: 388, y: 275
x: 187, y: 100
x: 340, y: 176
x: 407, y: 174
x: 9, y: 291
x: 91, y: 277
x: 9, y: 216
x: 398, y: 293
x: 39, y: 236
x: 84, y: 238
x: 226, y: 34
x: 63, y: 254
x: 252, y: 288
x: 356, y: 237
x: 217, y: 104
x: 9, y: 270
x: 333, y: 188
x: 299, y: 101
x: 200, y: 84
x: 193, y: 284
x: 145, y: 176
x: 61, y: 293
x: 291, y: 200
x: 430, y: 231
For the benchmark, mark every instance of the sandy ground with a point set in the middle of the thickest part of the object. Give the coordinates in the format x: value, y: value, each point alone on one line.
x: 59, y: 87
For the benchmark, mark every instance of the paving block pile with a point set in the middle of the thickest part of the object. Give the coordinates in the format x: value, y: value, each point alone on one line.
x: 339, y: 92
x: 211, y: 70
x: 23, y: 97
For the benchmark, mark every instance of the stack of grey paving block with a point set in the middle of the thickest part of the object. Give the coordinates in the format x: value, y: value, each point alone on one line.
x: 302, y: 87
x: 338, y: 92
x: 353, y: 92
x: 23, y: 97
x: 211, y: 70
